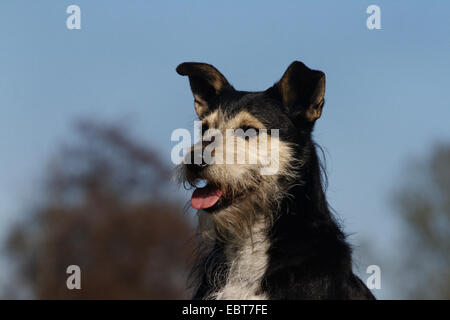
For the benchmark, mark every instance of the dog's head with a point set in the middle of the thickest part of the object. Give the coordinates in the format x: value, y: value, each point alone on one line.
x: 250, y: 152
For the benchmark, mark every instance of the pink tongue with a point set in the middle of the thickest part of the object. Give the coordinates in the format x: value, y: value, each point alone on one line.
x: 205, y: 197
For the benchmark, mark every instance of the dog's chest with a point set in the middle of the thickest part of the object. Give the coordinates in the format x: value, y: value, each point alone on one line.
x: 247, y: 265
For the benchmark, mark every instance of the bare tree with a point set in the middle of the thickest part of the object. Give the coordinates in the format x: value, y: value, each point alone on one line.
x: 106, y: 210
x: 424, y: 208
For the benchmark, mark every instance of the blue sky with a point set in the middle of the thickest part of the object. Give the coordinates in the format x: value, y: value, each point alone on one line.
x: 388, y: 96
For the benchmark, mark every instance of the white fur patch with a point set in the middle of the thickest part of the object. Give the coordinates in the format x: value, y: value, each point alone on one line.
x: 247, y: 265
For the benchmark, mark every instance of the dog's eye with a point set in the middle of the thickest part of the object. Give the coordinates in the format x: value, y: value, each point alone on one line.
x: 246, y: 128
x: 246, y: 132
x: 205, y: 128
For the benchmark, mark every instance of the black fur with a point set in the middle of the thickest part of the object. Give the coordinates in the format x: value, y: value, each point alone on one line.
x: 309, y: 257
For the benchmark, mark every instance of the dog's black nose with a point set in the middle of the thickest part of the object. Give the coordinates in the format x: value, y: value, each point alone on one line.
x: 196, y: 168
x: 198, y: 162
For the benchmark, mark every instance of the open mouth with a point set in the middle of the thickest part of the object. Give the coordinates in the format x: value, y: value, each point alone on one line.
x: 208, y: 198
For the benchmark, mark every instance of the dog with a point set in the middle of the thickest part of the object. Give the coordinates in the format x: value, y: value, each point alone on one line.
x: 264, y: 236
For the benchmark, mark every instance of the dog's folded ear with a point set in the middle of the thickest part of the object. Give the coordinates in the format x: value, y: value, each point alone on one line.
x: 207, y: 83
x: 301, y: 91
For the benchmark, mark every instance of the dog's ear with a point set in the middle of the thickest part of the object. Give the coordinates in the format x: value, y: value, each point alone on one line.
x: 207, y: 83
x: 301, y: 91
